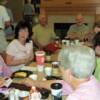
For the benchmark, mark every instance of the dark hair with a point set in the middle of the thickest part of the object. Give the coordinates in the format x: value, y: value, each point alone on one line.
x: 22, y: 25
x: 96, y: 40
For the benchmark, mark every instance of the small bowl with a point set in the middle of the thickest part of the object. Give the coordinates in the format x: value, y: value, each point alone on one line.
x: 33, y: 76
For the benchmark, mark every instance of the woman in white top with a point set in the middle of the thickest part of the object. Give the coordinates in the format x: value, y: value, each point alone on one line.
x: 20, y: 50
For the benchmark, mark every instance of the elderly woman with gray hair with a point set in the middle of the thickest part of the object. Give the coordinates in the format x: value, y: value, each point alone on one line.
x: 77, y: 66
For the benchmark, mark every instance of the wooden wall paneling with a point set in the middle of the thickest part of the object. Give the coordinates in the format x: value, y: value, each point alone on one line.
x: 70, y: 6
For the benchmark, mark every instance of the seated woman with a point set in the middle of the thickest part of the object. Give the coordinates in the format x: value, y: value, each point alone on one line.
x: 96, y: 42
x: 20, y: 50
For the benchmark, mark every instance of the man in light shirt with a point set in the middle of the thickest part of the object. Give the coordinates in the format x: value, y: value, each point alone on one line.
x: 42, y: 33
x: 4, y: 22
x: 78, y: 30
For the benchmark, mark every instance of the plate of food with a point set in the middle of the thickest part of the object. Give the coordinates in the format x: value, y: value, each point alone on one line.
x: 21, y: 74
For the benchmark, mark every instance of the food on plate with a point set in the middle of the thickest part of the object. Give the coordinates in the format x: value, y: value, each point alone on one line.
x: 20, y: 74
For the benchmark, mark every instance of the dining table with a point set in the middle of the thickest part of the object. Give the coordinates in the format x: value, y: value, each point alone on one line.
x: 32, y: 66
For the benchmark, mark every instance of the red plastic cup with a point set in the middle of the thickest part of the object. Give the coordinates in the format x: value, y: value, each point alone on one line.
x: 40, y: 57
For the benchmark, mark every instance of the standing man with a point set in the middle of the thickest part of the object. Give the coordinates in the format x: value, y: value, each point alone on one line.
x: 79, y: 29
x: 4, y: 22
x: 28, y: 11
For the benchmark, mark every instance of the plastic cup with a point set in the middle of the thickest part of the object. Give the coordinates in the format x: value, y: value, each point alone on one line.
x: 40, y: 68
x: 40, y: 57
x: 77, y: 41
x: 48, y: 71
x: 56, y: 91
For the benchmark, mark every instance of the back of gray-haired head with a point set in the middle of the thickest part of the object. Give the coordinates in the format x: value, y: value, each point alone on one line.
x: 80, y: 59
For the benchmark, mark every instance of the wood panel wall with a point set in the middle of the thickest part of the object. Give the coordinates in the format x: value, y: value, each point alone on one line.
x: 70, y: 6
x: 57, y: 7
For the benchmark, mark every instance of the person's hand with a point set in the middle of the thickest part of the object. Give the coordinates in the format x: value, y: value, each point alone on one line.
x: 87, y: 36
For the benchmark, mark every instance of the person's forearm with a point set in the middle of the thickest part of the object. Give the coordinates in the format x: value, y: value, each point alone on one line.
x: 16, y: 62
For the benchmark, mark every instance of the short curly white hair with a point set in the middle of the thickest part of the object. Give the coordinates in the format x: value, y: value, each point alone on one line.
x: 80, y: 59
